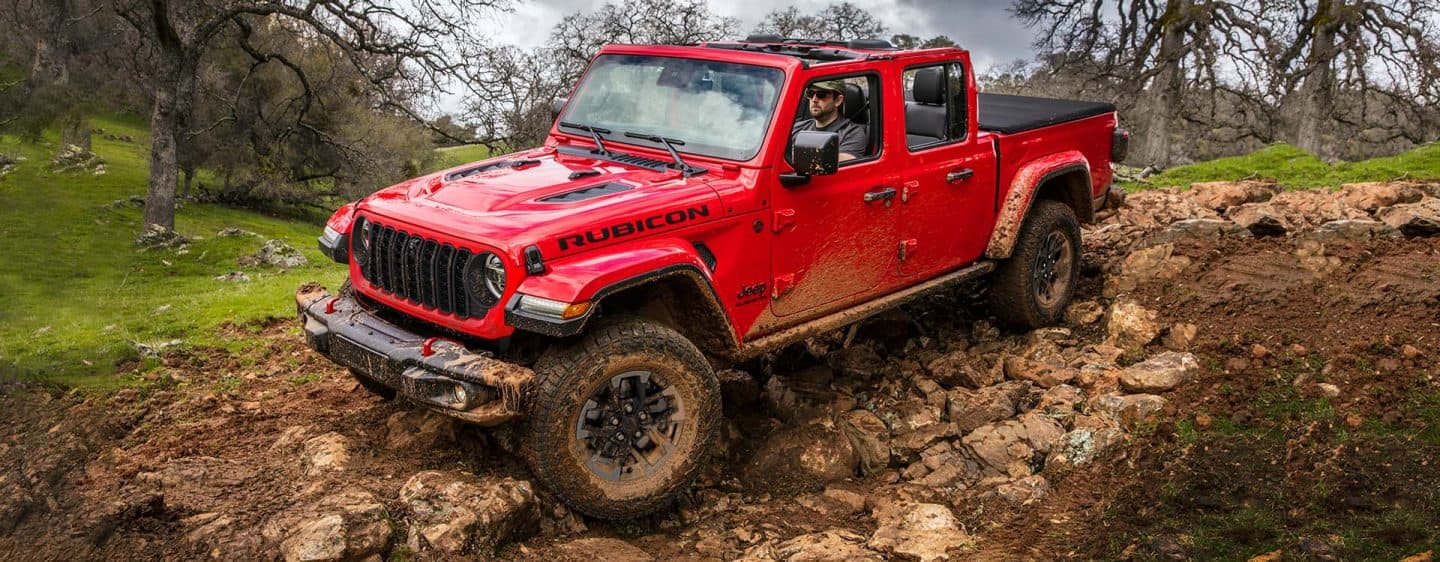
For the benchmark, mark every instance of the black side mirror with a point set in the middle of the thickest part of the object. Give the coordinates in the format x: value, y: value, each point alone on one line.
x: 556, y: 107
x: 816, y: 153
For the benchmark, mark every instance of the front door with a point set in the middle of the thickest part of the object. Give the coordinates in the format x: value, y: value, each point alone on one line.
x: 836, y: 236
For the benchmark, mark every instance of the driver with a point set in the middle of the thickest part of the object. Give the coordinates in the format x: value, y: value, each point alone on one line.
x: 826, y: 100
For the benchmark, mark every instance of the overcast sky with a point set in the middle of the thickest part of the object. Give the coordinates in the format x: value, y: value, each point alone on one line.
x: 985, y: 28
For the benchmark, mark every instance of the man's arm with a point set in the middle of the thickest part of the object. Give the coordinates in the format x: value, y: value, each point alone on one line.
x: 854, y: 141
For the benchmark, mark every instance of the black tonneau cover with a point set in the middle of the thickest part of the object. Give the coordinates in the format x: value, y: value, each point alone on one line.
x: 1012, y: 114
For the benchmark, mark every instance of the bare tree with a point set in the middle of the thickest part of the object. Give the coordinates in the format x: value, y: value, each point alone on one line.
x: 423, y: 41
x: 840, y: 21
x: 1368, y: 51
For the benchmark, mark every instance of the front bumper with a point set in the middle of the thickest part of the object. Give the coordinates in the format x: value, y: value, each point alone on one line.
x: 438, y: 373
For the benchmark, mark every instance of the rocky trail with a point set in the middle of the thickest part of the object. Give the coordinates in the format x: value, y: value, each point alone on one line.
x: 1244, y: 372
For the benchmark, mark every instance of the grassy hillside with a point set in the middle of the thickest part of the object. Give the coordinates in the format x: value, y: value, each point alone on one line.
x: 1296, y: 169
x: 78, y: 294
x: 452, y: 156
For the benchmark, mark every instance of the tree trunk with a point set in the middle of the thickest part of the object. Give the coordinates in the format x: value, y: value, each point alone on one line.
x: 189, y: 174
x: 1161, y: 101
x: 172, y: 104
x: 1316, y: 99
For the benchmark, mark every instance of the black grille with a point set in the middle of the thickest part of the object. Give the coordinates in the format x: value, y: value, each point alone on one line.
x: 414, y: 268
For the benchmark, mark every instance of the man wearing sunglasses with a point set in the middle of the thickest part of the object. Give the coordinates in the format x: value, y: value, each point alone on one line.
x: 826, y: 100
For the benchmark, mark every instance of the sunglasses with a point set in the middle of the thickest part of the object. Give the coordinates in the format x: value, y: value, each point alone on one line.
x: 820, y: 94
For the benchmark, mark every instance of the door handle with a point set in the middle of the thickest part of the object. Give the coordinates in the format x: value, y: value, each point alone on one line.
x: 961, y: 174
x: 886, y: 194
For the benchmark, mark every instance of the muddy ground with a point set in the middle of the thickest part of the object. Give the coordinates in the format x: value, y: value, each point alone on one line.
x: 1308, y: 425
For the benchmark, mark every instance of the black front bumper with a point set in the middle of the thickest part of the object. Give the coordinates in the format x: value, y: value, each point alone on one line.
x: 436, y: 372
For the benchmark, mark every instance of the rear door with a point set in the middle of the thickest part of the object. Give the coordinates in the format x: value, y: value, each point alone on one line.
x: 830, y: 243
x: 947, y: 197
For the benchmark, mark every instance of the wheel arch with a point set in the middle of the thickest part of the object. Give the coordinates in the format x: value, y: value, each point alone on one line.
x: 1063, y: 177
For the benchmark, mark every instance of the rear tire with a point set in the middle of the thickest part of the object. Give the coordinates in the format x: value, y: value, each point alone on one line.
x: 622, y: 420
x: 1032, y: 288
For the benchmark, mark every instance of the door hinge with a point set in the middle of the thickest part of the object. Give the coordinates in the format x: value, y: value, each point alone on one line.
x: 907, y: 247
x: 784, y: 219
x: 782, y: 285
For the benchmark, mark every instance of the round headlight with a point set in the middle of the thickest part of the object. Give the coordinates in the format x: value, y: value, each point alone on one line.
x: 485, y: 278
x: 360, y: 241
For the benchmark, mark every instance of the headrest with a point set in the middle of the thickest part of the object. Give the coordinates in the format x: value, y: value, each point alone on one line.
x: 855, y: 107
x: 930, y: 86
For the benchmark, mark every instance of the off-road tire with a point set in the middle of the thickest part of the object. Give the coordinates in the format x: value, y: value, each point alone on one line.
x: 1015, y: 296
x: 567, y: 377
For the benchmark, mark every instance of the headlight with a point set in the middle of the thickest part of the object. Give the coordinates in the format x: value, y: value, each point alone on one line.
x: 360, y: 241
x: 553, y: 308
x: 485, y: 278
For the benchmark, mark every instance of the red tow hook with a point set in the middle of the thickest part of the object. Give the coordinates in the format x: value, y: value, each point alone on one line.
x: 330, y: 306
x: 429, y: 348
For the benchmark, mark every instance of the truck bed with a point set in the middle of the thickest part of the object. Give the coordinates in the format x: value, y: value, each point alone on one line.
x: 1009, y: 114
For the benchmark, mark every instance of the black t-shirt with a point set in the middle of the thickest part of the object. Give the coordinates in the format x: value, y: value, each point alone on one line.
x: 853, y: 138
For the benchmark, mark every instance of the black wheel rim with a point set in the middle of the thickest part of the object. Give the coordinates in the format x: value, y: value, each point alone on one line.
x: 629, y: 426
x: 1053, y: 265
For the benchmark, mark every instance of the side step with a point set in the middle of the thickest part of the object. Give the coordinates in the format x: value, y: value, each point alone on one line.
x: 860, y: 312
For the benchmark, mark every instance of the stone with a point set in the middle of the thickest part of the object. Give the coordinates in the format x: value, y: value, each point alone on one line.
x: 602, y: 548
x: 325, y: 453
x: 1410, y: 352
x: 1059, y: 401
x: 923, y: 531
x: 1329, y: 390
x: 157, y: 236
x: 1012, y: 446
x: 739, y: 391
x: 1143, y: 265
x: 859, y: 361
x: 1180, y: 336
x: 852, y: 501
x: 1084, y: 445
x: 957, y: 369
x: 1127, y: 409
x: 349, y: 525
x: 1306, y: 209
x: 970, y: 409
x: 1362, y: 230
x: 1160, y: 373
x: 1083, y: 313
x: 279, y: 254
x: 803, y: 457
x: 419, y: 428
x: 826, y: 546
x: 234, y: 277
x: 1131, y: 325
x: 1024, y: 490
x: 869, y: 438
x: 1371, y: 196
x: 1261, y: 219
x: 1043, y: 374
x: 1221, y: 195
x: 1199, y: 229
x: 907, y: 446
x: 804, y: 395
x: 1414, y: 219
x: 233, y: 232
x: 460, y: 514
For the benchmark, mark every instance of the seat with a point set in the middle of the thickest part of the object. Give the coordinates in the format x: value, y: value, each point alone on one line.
x: 857, y: 110
x: 925, y: 117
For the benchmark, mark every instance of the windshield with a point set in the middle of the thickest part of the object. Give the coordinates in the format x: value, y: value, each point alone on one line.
x: 718, y: 109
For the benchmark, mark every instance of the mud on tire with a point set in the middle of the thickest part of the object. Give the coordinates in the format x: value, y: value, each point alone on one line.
x: 603, y: 458
x: 1032, y: 288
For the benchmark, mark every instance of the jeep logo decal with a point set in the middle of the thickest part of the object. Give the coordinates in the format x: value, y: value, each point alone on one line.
x: 633, y: 227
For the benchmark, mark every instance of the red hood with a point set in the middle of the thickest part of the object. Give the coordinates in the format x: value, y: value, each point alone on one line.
x: 514, y: 204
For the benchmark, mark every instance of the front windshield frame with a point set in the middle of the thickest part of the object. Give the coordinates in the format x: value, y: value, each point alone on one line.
x: 578, y: 109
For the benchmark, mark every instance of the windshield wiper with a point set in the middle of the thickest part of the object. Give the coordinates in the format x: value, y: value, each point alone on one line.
x: 595, y: 133
x: 670, y: 145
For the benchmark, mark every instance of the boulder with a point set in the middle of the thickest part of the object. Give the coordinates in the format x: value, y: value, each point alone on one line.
x: 419, y: 428
x: 1199, y: 229
x: 1131, y: 325
x: 922, y: 531
x: 1140, y: 266
x: 970, y: 409
x: 826, y: 546
x: 460, y: 514
x: 869, y: 438
x: 348, y: 526
x: 1127, y: 409
x: 1371, y: 196
x: 1221, y: 195
x: 859, y: 361
x: 1012, y: 446
x: 1059, y: 401
x: 1180, y: 336
x: 802, y: 458
x: 1160, y: 373
x: 907, y: 446
x: 1024, y: 490
x: 1043, y: 374
x: 1414, y: 219
x: 1084, y: 445
x: 325, y: 453
x: 279, y: 254
x: 1083, y: 313
x: 1261, y: 219
x: 1305, y: 209
x: 1156, y: 208
x: 960, y: 369
x: 1360, y: 230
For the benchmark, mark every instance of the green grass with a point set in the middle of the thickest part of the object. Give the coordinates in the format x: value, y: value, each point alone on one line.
x: 76, y: 290
x: 452, y: 156
x: 1294, y: 168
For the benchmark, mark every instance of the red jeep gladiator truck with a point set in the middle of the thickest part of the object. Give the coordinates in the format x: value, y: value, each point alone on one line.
x: 672, y: 223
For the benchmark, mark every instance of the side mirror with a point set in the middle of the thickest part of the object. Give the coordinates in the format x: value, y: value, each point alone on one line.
x: 556, y: 107
x: 815, y: 153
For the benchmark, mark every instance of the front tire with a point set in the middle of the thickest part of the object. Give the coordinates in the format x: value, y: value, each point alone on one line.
x: 1032, y: 288
x: 623, y: 420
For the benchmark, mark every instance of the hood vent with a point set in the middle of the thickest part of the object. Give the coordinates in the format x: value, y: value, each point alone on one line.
x: 588, y: 192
